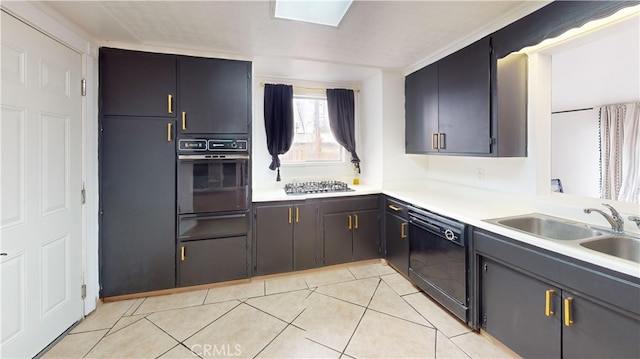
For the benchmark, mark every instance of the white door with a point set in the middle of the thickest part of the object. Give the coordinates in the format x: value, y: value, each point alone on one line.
x: 40, y: 216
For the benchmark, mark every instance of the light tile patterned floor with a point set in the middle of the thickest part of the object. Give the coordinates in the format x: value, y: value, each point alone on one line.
x: 364, y: 311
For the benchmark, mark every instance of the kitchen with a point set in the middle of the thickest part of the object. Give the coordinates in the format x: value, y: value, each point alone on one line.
x: 385, y: 165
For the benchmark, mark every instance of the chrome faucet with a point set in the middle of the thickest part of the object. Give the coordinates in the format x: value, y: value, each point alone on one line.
x: 615, y: 219
x: 635, y: 219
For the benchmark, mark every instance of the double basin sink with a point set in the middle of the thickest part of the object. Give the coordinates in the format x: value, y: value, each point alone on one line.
x: 600, y: 240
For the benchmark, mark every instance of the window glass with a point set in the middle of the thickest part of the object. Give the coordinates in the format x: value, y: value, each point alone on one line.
x: 312, y: 141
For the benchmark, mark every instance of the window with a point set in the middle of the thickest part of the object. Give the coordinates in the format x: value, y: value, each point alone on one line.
x: 312, y: 140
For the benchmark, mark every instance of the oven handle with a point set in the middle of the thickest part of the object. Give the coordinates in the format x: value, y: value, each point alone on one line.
x: 217, y: 216
x: 213, y: 157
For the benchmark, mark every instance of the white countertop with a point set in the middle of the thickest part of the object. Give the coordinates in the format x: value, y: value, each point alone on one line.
x: 474, y: 206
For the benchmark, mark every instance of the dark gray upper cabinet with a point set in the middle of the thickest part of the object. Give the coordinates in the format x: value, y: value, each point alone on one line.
x: 464, y: 95
x: 421, y: 105
x: 469, y: 103
x: 137, y: 203
x: 215, y: 95
x: 134, y: 83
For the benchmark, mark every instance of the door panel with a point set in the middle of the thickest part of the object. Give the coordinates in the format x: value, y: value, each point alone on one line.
x: 421, y: 106
x: 137, y: 201
x: 213, y: 260
x: 41, y: 139
x: 338, y: 242
x: 366, y: 235
x: 274, y: 247
x: 304, y: 236
x: 397, y: 246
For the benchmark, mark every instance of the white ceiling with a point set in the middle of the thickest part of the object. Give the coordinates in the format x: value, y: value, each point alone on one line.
x: 379, y: 34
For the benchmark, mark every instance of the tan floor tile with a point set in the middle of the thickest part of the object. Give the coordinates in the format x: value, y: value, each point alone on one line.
x: 179, y: 352
x: 243, y: 332
x: 75, y: 345
x: 287, y: 284
x: 329, y: 321
x: 439, y: 317
x: 238, y: 292
x: 125, y: 322
x: 292, y: 343
x: 371, y: 270
x: 172, y: 301
x: 328, y: 277
x: 400, y: 284
x: 479, y: 347
x: 139, y: 340
x: 357, y: 291
x: 387, y: 301
x: 285, y: 306
x: 104, y: 317
x: 382, y: 336
x: 446, y: 349
x: 183, y: 323
x: 134, y: 307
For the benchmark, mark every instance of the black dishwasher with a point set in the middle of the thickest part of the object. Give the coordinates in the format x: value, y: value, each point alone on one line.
x: 438, y: 259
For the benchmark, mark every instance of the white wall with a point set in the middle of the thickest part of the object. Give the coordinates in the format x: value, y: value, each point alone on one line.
x: 371, y: 135
x: 575, y: 154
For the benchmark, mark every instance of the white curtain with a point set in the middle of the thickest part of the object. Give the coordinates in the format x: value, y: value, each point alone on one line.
x: 620, y: 152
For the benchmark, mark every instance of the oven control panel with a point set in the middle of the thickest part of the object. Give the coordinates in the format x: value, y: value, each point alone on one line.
x: 196, y: 145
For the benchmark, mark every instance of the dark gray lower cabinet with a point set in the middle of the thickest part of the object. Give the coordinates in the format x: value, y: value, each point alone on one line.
x: 397, y: 235
x: 212, y: 260
x: 351, y: 229
x: 137, y: 205
x: 544, y: 305
x: 285, y: 237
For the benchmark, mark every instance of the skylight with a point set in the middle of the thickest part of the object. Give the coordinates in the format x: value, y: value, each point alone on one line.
x: 324, y: 12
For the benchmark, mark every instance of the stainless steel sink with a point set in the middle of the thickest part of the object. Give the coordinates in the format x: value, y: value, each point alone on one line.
x: 548, y: 227
x: 618, y: 246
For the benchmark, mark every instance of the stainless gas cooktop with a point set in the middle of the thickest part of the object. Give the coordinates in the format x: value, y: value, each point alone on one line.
x: 316, y: 187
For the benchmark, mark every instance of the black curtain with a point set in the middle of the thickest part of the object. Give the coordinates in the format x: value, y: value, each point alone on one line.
x: 340, y: 103
x: 278, y: 121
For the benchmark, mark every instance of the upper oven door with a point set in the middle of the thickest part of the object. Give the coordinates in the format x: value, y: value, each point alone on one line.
x: 212, y: 183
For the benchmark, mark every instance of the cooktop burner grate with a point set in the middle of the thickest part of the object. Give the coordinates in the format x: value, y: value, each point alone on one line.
x: 316, y: 187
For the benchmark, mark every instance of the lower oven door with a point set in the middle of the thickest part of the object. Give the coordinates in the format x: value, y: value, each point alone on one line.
x: 213, y: 184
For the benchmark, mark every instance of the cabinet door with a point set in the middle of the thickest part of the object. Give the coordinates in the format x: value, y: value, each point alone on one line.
x: 513, y: 311
x: 137, y: 202
x: 274, y: 236
x: 305, y: 235
x: 464, y: 102
x: 598, y: 332
x: 338, y: 243
x: 213, y: 260
x: 366, y: 235
x: 421, y: 109
x: 214, y: 95
x: 135, y: 83
x: 397, y: 243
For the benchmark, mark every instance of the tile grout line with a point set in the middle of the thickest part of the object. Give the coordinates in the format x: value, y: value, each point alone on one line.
x: 361, y: 317
x: 215, y: 320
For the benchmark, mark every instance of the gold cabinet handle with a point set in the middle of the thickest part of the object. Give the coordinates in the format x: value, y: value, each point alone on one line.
x: 356, y: 226
x: 182, y: 253
x: 297, y: 214
x: 568, y: 318
x: 397, y: 209
x: 349, y: 223
x: 184, y: 120
x: 169, y: 103
x: 403, y: 234
x: 169, y: 132
x: 289, y: 215
x: 434, y: 141
x: 548, y: 308
x: 441, y: 141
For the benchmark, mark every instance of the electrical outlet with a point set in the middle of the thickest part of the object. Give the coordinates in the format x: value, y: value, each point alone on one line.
x: 480, y: 174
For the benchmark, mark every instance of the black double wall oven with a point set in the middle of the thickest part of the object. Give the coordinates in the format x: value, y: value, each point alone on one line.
x: 212, y: 208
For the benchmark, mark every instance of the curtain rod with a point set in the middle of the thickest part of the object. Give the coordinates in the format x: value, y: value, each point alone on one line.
x: 310, y: 88
x: 576, y: 110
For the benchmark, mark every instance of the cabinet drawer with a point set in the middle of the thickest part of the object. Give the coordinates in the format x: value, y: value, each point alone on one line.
x: 202, y: 227
x: 350, y: 204
x: 396, y: 207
